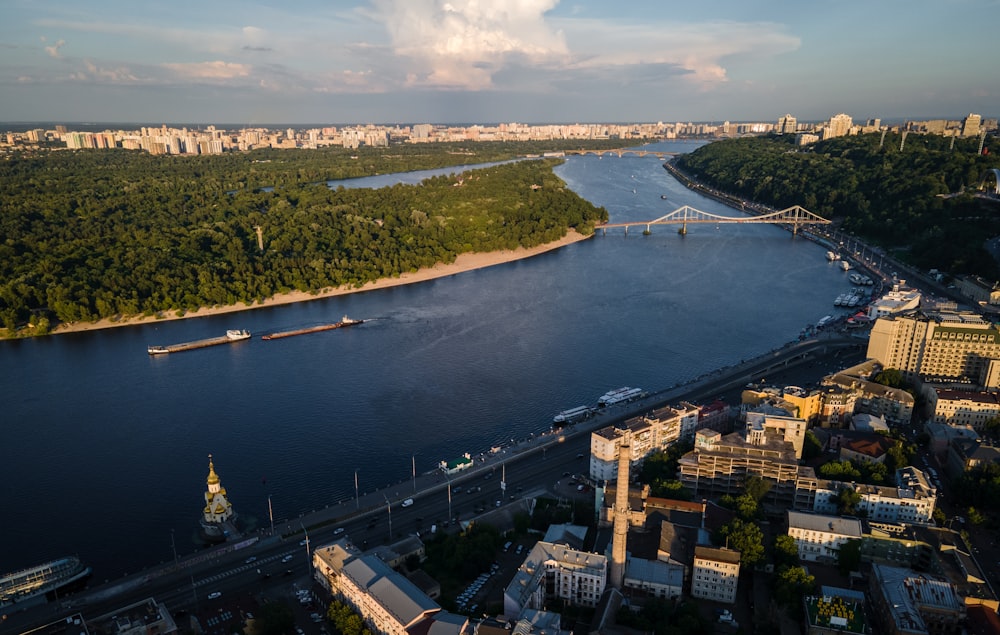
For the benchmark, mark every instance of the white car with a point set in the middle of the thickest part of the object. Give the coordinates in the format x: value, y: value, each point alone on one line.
x: 407, y: 502
x: 338, y: 531
x: 287, y: 558
x: 214, y: 595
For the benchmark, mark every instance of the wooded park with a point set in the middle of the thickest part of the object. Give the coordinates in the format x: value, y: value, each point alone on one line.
x: 93, y: 234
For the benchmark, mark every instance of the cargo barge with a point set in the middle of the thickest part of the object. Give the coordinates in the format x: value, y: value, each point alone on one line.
x: 345, y: 321
x: 232, y: 335
x: 36, y: 585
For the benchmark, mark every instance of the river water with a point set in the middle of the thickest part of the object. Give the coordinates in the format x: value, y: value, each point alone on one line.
x: 104, y: 449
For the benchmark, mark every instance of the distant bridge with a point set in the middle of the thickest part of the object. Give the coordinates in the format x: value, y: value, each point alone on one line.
x: 683, y: 216
x: 622, y: 151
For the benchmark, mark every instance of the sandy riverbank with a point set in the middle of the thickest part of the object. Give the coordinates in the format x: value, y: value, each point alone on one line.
x: 464, y: 262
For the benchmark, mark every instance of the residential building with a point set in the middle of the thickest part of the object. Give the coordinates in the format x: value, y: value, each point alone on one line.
x: 967, y: 454
x: 819, y: 537
x: 715, y: 574
x: 720, y: 465
x: 762, y: 429
x: 654, y: 578
x: 649, y: 433
x: 971, y: 125
x: 912, y: 500
x: 387, y: 601
x: 909, y: 603
x: 963, y: 408
x: 556, y: 572
x: 787, y: 125
x: 857, y: 394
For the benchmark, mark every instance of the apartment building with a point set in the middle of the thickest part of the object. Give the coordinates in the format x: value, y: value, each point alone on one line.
x: 963, y: 408
x: 649, y: 433
x: 820, y: 537
x: 720, y: 465
x: 912, y: 500
x: 715, y: 574
x: 555, y: 572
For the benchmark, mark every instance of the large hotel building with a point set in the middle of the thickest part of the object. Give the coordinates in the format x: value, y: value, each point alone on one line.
x: 939, y: 346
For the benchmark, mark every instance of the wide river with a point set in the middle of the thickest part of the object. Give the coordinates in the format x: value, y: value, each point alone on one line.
x: 103, y: 449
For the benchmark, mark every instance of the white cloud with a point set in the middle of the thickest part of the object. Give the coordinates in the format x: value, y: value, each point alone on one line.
x: 462, y: 43
x: 53, y: 50
x: 217, y: 70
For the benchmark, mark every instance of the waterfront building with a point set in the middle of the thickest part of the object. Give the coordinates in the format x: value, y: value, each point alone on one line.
x: 218, y: 514
x: 387, y: 601
x: 820, y: 537
x: 649, y: 433
x: 555, y: 572
x: 898, y: 300
x: 715, y: 574
x: 906, y: 602
x: 963, y: 408
x: 146, y: 617
x: 940, y: 346
x: 978, y: 289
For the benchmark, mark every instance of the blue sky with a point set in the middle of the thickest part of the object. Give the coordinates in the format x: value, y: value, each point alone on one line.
x: 440, y: 61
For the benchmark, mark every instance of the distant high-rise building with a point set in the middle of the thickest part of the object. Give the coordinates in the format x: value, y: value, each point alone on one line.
x: 787, y: 125
x: 839, y: 126
x: 971, y: 125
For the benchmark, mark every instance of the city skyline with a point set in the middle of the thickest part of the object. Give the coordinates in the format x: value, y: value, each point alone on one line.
x: 463, y: 61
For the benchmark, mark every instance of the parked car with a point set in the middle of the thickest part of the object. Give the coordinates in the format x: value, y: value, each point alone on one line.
x: 214, y: 595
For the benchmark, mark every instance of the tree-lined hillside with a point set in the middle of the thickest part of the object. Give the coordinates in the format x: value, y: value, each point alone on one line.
x: 89, y: 235
x: 916, y: 201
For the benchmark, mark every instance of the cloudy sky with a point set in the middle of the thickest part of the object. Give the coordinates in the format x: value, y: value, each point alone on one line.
x: 443, y: 61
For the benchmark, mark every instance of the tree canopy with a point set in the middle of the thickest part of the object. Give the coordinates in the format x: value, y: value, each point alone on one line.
x: 86, y: 235
x: 917, y: 200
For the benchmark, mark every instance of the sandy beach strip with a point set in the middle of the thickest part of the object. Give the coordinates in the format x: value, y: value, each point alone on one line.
x: 464, y: 262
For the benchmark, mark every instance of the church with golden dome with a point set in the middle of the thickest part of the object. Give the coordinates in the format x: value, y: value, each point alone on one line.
x: 218, y: 516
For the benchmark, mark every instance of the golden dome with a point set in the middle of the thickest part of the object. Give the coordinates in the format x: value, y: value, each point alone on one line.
x: 213, y: 478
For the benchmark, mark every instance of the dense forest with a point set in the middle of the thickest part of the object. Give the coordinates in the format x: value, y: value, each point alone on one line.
x: 919, y: 201
x: 86, y: 235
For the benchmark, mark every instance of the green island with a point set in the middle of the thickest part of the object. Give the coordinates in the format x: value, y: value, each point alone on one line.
x: 110, y: 234
x: 919, y: 202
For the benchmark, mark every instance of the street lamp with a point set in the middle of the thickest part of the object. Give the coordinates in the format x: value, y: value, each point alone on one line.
x: 173, y: 545
x: 357, y: 501
x: 308, y: 553
x: 388, y: 507
x: 413, y: 466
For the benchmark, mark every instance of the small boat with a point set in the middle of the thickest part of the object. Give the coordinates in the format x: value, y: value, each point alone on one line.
x: 663, y: 196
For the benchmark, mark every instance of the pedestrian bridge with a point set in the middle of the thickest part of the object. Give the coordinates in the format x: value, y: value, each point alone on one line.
x: 687, y: 215
x: 623, y: 151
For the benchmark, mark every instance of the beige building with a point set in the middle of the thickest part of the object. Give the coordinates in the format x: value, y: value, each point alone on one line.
x: 938, y: 346
x: 715, y: 574
x: 720, y: 465
x: 387, y: 601
x: 762, y: 429
x: 649, y: 433
x: 964, y: 408
x: 818, y: 537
